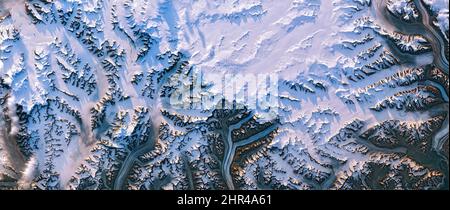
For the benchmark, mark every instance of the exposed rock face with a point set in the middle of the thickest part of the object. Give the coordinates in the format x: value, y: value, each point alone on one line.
x: 112, y: 95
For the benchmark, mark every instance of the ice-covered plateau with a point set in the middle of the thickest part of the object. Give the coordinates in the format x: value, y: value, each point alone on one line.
x: 88, y: 89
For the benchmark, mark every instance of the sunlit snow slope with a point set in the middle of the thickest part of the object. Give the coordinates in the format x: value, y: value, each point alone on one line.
x: 110, y: 94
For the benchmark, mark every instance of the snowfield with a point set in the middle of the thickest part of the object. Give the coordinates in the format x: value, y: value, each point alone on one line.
x: 254, y: 94
x: 440, y: 10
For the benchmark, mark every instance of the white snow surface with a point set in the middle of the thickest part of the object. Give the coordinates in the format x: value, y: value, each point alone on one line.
x: 304, y: 42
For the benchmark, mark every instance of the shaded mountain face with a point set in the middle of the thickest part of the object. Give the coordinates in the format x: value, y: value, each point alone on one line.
x: 146, y: 94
